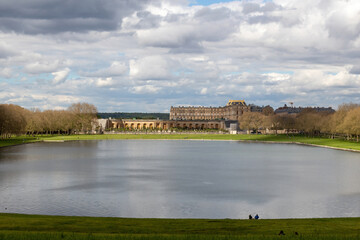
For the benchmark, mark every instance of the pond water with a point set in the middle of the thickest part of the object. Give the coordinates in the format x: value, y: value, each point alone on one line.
x: 179, y: 179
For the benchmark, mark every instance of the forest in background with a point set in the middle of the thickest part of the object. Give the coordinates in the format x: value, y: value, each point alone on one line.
x: 80, y: 117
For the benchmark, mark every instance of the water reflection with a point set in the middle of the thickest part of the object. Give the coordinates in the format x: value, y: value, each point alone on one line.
x: 179, y: 179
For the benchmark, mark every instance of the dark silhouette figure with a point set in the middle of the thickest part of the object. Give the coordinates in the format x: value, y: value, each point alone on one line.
x: 250, y: 217
x: 281, y: 232
x: 296, y: 233
x: 256, y: 216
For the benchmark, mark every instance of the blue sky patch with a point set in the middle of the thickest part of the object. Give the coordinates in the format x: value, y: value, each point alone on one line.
x: 207, y: 2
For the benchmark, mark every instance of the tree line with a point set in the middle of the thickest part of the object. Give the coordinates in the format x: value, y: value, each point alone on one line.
x: 345, y: 122
x: 78, y: 117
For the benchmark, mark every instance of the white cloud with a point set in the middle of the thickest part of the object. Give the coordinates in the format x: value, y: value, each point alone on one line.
x: 116, y: 69
x: 41, y: 67
x: 60, y: 76
x: 6, y: 50
x: 150, y: 68
x: 6, y: 72
x: 203, y: 91
x: 145, y: 89
x: 100, y: 82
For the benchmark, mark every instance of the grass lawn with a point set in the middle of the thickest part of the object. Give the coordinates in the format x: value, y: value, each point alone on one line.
x: 17, y: 226
x: 336, y: 143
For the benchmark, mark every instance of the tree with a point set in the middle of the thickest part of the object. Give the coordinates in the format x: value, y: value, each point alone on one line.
x: 284, y: 121
x: 84, y: 116
x: 351, y: 123
x: 337, y: 119
x: 309, y: 122
x: 12, y: 120
x: 34, y: 121
x: 251, y: 121
x: 276, y: 122
x: 268, y: 110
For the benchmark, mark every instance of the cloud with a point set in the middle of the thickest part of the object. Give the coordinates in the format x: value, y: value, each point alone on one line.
x: 146, y: 89
x: 150, y: 68
x: 355, y: 70
x: 6, y: 51
x: 190, y: 31
x: 6, y: 72
x: 344, y: 22
x: 249, y: 7
x: 162, y: 53
x: 203, y: 91
x: 142, y: 20
x: 116, y: 69
x: 100, y: 82
x: 60, y: 76
x: 54, y: 16
x: 41, y: 67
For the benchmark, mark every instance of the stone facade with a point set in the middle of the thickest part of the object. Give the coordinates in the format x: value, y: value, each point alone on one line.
x: 232, y: 111
x: 220, y: 118
x: 166, y: 124
x: 296, y: 110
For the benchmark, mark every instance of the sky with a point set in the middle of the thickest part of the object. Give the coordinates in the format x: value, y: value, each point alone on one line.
x: 148, y: 55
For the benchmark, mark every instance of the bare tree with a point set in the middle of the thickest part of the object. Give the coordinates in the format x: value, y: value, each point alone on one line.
x: 12, y: 120
x: 84, y: 116
x: 251, y: 121
x: 268, y: 111
x: 351, y: 123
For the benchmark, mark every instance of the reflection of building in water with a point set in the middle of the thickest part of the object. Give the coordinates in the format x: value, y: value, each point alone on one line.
x: 232, y: 111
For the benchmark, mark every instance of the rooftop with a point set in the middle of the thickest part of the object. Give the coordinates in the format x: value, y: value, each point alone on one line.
x: 236, y: 102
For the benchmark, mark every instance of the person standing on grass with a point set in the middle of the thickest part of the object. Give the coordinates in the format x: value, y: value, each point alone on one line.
x: 256, y: 216
x: 250, y: 217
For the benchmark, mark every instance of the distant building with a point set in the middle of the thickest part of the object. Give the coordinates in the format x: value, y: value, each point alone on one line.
x: 232, y: 111
x: 255, y: 108
x: 142, y: 124
x: 296, y: 110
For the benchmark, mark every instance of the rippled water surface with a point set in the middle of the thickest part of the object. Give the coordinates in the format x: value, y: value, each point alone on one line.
x: 179, y: 179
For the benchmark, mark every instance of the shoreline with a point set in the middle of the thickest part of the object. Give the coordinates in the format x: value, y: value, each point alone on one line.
x: 188, y: 137
x: 303, y: 144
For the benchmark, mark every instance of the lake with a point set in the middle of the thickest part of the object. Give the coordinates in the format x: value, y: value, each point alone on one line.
x: 179, y: 179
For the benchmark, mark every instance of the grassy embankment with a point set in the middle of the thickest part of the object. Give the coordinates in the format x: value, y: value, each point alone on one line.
x: 336, y: 143
x: 16, y: 226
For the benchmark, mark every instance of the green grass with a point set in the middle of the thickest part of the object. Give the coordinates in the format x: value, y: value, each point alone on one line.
x: 17, y: 226
x: 16, y: 141
x: 80, y: 236
x: 320, y: 141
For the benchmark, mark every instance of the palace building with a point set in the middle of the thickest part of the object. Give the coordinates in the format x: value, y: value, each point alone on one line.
x: 232, y: 111
x: 220, y: 118
x: 142, y: 124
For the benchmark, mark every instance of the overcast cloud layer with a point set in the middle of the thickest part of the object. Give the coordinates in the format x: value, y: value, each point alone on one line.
x: 148, y: 55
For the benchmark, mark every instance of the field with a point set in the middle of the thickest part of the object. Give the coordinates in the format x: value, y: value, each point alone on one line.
x: 17, y: 226
x: 319, y: 141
